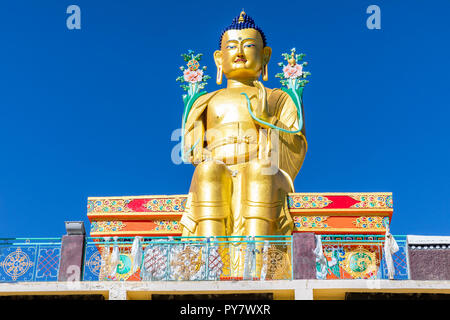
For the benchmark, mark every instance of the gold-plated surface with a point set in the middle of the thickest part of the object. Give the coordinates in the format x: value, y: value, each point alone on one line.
x: 244, y: 171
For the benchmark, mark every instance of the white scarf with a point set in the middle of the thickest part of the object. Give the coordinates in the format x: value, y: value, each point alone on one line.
x: 321, y: 273
x: 390, y: 247
x: 115, y: 258
x: 136, y: 254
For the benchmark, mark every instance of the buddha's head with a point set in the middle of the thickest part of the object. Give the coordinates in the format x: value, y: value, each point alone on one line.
x: 243, y: 54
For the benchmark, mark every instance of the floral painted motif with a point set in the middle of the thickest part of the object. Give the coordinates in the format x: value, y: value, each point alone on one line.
x: 304, y: 202
x: 389, y: 202
x: 377, y: 201
x: 108, y: 206
x: 371, y: 222
x: 90, y: 206
x: 166, y: 225
x: 166, y: 205
x: 310, y: 221
x: 107, y: 226
x: 138, y: 205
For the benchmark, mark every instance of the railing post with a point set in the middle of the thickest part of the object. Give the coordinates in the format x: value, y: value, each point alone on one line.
x: 72, y: 249
x: 303, y: 258
x: 207, y: 258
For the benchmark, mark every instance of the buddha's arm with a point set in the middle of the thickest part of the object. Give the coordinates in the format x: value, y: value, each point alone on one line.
x: 288, y: 115
x: 193, y: 141
x: 194, y: 134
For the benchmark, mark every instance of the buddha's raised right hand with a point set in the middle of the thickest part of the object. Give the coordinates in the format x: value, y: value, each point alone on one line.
x: 261, y: 111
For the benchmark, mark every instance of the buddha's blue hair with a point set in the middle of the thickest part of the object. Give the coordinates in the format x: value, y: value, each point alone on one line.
x: 248, y: 23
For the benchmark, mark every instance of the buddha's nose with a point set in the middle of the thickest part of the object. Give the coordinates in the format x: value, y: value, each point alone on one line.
x: 241, y: 50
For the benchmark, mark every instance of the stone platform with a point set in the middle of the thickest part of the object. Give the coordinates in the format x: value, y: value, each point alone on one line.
x: 281, y: 290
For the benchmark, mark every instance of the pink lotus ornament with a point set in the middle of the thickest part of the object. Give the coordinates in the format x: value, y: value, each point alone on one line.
x: 293, y: 80
x: 193, y: 81
x: 293, y: 77
x: 295, y: 71
x: 193, y: 76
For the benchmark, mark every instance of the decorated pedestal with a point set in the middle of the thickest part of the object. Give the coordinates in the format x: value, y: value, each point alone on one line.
x: 321, y: 213
x: 351, y: 226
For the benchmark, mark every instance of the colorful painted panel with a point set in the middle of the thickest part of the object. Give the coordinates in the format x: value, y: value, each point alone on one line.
x: 337, y: 213
x: 373, y: 201
x: 359, y: 257
x: 340, y: 224
x: 27, y: 261
x: 328, y: 201
x: 107, y: 226
x: 306, y: 222
x: 166, y: 226
x: 371, y: 222
x: 308, y: 201
x: 150, y: 204
x: 135, y: 227
x: 296, y: 201
x: 352, y: 262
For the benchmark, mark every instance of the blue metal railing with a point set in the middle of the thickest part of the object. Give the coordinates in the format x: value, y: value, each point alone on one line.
x: 29, y: 259
x: 191, y: 258
x: 201, y: 258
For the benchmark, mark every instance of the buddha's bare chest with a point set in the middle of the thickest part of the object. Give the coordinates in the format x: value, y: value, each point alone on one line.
x: 231, y: 133
x: 229, y: 108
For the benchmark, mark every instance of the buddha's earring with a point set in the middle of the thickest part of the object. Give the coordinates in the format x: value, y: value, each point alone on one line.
x: 265, y: 73
x: 219, y: 75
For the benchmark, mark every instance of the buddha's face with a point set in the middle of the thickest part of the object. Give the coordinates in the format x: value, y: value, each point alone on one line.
x: 242, y: 54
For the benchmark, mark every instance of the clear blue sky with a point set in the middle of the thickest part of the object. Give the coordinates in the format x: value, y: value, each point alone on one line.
x: 90, y: 112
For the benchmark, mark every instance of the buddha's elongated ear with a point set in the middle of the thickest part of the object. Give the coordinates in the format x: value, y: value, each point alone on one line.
x: 267, y: 53
x: 218, y: 61
x: 218, y: 58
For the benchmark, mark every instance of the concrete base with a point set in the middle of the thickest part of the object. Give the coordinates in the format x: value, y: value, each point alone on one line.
x: 281, y: 289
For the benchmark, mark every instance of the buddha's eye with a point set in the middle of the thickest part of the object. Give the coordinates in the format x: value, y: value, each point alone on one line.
x: 249, y: 45
x: 231, y: 47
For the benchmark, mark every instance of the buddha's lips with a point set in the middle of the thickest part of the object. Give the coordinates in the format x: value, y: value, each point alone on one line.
x: 240, y: 60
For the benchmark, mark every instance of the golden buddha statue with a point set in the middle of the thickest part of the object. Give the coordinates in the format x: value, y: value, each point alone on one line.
x: 244, y: 168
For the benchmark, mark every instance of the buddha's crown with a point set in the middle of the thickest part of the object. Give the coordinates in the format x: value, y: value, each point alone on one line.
x: 243, y: 21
